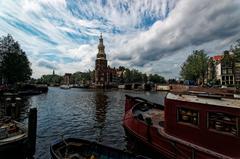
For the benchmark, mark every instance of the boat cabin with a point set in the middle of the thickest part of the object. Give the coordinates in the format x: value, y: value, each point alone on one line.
x: 205, y: 120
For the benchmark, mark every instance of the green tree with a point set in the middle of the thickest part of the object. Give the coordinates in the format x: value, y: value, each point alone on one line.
x: 14, y: 64
x: 156, y: 79
x: 144, y: 78
x: 81, y: 77
x: 136, y: 76
x: 195, y: 67
x: 212, y: 71
x: 131, y: 76
x: 50, y: 79
x: 236, y: 50
x: 127, y: 76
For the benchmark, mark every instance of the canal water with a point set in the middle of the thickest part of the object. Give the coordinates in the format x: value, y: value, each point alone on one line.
x: 95, y: 115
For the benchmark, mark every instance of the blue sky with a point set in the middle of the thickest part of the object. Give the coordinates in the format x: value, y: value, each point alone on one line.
x: 154, y: 36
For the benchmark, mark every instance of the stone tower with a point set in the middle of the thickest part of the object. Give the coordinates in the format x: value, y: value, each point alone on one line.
x: 101, y: 69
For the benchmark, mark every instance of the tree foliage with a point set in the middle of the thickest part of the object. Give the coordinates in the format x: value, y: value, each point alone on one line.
x: 135, y: 76
x: 156, y: 79
x: 212, y: 71
x: 80, y: 77
x: 76, y: 78
x: 14, y: 64
x: 50, y: 79
x: 195, y: 67
x: 236, y: 50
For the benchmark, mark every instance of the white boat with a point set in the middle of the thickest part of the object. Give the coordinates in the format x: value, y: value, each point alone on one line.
x: 65, y: 87
x: 236, y: 96
x: 162, y: 88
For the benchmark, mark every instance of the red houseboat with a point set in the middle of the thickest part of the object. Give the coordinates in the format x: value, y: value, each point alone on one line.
x: 190, y: 126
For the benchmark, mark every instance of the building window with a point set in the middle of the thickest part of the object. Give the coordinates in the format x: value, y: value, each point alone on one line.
x: 224, y: 71
x: 231, y: 77
x: 223, y: 123
x: 223, y: 78
x: 188, y: 116
x: 229, y: 71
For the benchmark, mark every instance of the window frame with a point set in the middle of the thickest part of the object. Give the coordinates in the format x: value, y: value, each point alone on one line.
x: 179, y: 121
x: 224, y: 132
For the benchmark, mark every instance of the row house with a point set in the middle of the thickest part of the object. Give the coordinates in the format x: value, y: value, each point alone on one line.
x: 225, y: 69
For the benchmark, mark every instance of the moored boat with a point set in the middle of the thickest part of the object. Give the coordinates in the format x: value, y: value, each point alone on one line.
x: 196, y: 126
x: 65, y: 87
x: 13, y: 136
x: 72, y: 148
x: 236, y: 96
x: 29, y: 92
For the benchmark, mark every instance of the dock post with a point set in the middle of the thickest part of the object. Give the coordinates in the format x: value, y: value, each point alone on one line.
x: 32, y: 131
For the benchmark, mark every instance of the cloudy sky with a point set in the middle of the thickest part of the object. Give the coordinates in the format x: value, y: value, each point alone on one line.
x: 154, y: 36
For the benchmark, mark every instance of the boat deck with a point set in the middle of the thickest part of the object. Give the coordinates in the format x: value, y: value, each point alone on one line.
x: 156, y: 115
x: 205, y: 99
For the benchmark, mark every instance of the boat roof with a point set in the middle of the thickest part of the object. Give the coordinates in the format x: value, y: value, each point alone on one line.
x: 206, y: 99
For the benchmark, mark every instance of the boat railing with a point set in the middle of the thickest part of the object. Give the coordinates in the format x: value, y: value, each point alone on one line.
x: 137, y: 100
x: 173, y: 139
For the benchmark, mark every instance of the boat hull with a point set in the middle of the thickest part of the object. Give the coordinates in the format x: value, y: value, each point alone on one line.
x: 160, y: 144
x: 84, y: 148
x: 153, y: 141
x: 160, y: 141
x: 15, y: 145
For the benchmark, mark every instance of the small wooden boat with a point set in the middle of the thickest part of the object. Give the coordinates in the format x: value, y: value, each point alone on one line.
x: 72, y: 148
x: 12, y: 135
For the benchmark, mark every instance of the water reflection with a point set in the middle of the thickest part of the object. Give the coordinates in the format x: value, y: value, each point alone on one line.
x: 100, y: 113
x: 94, y: 115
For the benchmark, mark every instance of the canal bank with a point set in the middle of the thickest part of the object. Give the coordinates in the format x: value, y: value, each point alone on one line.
x: 83, y: 113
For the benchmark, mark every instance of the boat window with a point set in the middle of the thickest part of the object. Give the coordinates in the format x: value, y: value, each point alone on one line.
x: 188, y: 116
x: 223, y: 122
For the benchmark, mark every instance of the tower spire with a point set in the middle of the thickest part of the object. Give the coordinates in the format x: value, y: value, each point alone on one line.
x: 101, y: 48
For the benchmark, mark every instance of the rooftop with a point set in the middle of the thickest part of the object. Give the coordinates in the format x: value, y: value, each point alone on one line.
x: 222, y: 102
x: 217, y: 57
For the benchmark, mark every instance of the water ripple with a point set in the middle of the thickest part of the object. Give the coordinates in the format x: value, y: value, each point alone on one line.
x: 90, y: 114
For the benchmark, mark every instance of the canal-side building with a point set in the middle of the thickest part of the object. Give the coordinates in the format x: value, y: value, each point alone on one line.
x: 227, y: 67
x: 101, y: 67
x: 214, y: 68
x: 237, y: 71
x: 224, y: 68
x: 66, y: 78
x: 104, y: 75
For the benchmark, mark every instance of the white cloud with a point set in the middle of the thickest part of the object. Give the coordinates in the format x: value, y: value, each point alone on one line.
x: 70, y: 29
x: 191, y: 25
